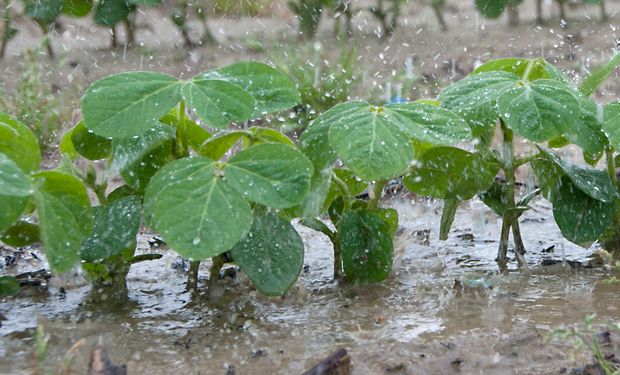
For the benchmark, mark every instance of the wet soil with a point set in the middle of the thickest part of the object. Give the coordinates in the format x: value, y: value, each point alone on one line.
x: 446, y: 308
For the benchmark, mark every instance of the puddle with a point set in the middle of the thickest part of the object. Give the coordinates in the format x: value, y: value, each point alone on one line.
x: 445, y: 302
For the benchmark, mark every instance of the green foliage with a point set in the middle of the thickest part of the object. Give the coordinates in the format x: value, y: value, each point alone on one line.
x: 9, y: 286
x: 271, y: 254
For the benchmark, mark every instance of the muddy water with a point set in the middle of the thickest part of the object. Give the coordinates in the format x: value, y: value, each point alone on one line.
x: 445, y: 309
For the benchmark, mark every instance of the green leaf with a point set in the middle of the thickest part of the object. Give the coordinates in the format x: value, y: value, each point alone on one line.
x: 66, y: 146
x: 475, y: 97
x: 540, y: 110
x: 314, y: 141
x: 540, y: 69
x: 21, y: 233
x: 389, y: 216
x: 271, y: 174
x: 15, y: 191
x: 139, y: 158
x: 493, y: 198
x: 196, y: 134
x: 314, y: 203
x: 90, y: 145
x: 218, y: 145
x: 581, y: 218
x: 272, y: 254
x: 491, y: 8
x: 110, y: 12
x: 447, y: 217
x: 128, y: 104
x: 9, y: 286
x: 451, y: 173
x: 196, y: 212
x: 374, y: 142
x: 548, y: 175
x: 266, y: 135
x: 114, y: 230
x: 586, y: 133
x: 216, y: 102
x: 44, y: 10
x: 429, y: 123
x: 271, y: 89
x: 598, y: 76
x: 65, y: 217
x: 367, y: 247
x: 19, y: 143
x: 77, y: 8
x: 120, y: 192
x: 590, y: 181
x: 611, y: 123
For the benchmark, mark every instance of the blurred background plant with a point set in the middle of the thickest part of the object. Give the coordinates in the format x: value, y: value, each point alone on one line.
x: 36, y: 102
x: 323, y: 82
x: 591, y: 346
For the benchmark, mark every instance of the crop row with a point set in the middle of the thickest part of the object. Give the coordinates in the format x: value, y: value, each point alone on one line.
x: 111, y: 13
x: 212, y: 191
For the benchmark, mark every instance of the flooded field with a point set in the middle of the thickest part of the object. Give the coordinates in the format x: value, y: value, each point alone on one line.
x: 445, y: 309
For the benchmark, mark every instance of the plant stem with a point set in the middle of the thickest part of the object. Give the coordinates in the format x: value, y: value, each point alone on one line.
x: 508, y: 195
x: 344, y: 189
x: 524, y: 160
x: 338, y: 272
x: 216, y: 267
x: 181, y: 149
x: 375, y: 190
x: 519, y: 247
x: 192, y: 276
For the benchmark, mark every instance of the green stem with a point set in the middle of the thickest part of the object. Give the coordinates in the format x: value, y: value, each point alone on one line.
x: 181, y: 149
x: 524, y: 160
x: 338, y: 271
x: 611, y: 166
x: 344, y: 189
x: 374, y: 194
x: 508, y: 196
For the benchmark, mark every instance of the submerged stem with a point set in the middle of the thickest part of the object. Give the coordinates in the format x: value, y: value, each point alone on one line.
x: 192, y: 276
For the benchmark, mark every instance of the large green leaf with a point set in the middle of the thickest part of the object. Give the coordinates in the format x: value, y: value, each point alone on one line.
x: 110, y: 12
x: 44, y: 10
x: 367, y: 247
x: 451, y: 173
x: 271, y: 89
x: 272, y: 254
x: 196, y: 212
x: 590, y: 181
x: 313, y: 204
x: 89, y: 144
x: 540, y: 110
x: 65, y: 217
x: 128, y: 104
x: 19, y: 143
x: 611, y: 123
x: 429, y: 123
x: 272, y: 174
x: 370, y: 143
x: 217, y: 102
x: 586, y: 133
x: 581, y: 218
x: 15, y: 191
x: 475, y: 96
x: 77, y: 8
x: 139, y: 158
x: 114, y: 229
